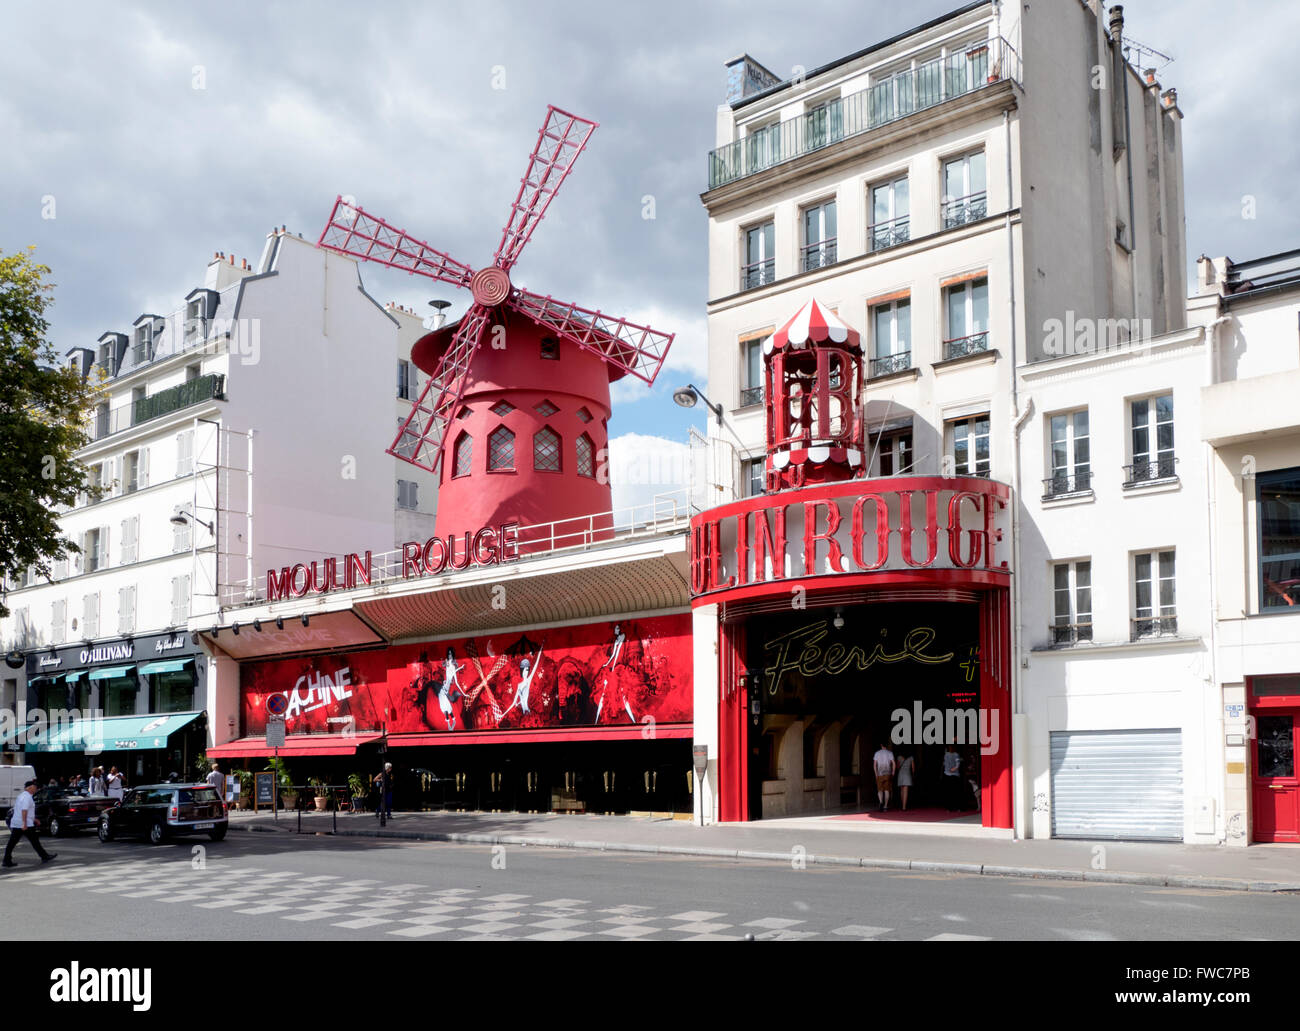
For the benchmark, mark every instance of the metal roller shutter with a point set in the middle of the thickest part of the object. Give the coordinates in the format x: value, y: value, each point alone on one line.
x: 1118, y: 784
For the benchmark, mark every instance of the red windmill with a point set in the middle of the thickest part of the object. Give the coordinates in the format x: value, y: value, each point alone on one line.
x: 523, y: 418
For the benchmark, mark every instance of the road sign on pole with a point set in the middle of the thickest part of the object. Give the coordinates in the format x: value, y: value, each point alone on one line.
x: 275, y: 733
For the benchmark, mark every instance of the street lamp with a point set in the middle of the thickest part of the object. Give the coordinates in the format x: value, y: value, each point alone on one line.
x: 182, y: 517
x: 686, y: 396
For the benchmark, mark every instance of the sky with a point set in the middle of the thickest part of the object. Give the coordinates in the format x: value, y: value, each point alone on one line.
x: 164, y: 132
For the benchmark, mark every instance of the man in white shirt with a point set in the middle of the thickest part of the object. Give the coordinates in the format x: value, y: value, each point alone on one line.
x: 884, y: 764
x: 218, y: 781
x: 23, y: 824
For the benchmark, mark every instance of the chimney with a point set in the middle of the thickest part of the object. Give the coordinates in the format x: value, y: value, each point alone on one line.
x: 1150, y: 75
x: 1170, y: 97
x: 746, y: 77
x: 1117, y: 23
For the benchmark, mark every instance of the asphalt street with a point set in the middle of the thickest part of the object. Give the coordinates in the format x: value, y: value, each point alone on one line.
x: 282, y: 887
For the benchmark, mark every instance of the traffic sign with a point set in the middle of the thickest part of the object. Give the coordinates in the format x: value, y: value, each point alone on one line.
x: 277, y: 704
x: 275, y: 733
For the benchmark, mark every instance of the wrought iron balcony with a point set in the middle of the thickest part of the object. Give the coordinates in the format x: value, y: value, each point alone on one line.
x: 1153, y: 626
x: 961, y: 210
x: 890, y: 234
x: 1066, y: 483
x: 890, y: 363
x: 818, y: 255
x: 760, y: 273
x: 751, y: 396
x: 106, y: 422
x: 1149, y: 470
x: 959, y: 347
x: 884, y: 101
x: 1070, y: 633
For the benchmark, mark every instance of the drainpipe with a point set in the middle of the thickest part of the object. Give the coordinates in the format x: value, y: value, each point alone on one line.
x: 1211, y: 337
x: 1121, y: 69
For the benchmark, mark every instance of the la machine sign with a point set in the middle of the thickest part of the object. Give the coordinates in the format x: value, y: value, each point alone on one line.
x: 487, y: 546
x: 860, y: 527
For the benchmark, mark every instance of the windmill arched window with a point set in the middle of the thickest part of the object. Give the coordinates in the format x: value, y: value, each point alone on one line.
x: 462, y: 454
x: 586, y: 454
x: 501, y: 450
x: 546, y: 450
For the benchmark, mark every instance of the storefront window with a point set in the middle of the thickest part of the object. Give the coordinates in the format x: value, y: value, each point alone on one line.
x: 1279, y: 539
x: 117, y: 696
x: 174, y: 692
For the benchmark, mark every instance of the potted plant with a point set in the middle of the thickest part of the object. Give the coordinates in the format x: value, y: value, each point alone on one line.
x: 322, y: 795
x: 245, y: 800
x: 360, y: 788
x: 288, y: 794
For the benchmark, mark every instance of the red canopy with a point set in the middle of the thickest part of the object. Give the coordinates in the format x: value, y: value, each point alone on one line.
x: 813, y: 323
x: 294, y: 744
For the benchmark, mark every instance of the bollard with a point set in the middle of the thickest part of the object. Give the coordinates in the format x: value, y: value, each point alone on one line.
x: 300, y: 817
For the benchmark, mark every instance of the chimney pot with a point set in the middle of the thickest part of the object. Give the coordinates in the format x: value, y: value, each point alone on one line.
x: 1116, y: 22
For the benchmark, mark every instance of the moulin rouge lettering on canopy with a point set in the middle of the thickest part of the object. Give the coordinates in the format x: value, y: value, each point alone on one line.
x: 859, y: 541
x: 488, y: 546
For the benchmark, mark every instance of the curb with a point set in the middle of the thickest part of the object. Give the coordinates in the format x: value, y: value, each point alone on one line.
x: 918, y: 865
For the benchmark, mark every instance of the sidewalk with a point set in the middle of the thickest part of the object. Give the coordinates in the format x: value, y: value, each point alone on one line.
x: 1257, y: 868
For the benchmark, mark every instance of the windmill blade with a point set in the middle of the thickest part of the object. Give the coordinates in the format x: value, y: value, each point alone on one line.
x: 352, y: 232
x: 419, y: 440
x: 633, y: 348
x: 560, y: 140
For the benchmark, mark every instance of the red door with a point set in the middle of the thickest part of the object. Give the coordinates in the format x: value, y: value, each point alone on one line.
x: 1276, y: 787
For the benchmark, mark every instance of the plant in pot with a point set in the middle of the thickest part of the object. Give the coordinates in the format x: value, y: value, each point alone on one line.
x: 288, y: 794
x: 360, y: 788
x: 245, y: 800
x: 321, y: 793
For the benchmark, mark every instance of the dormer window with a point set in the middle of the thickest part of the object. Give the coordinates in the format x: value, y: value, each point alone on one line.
x: 147, y: 329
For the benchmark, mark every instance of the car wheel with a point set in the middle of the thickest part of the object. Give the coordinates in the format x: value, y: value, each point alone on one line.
x: 156, y: 834
x: 105, y: 834
x: 217, y: 834
x: 56, y: 827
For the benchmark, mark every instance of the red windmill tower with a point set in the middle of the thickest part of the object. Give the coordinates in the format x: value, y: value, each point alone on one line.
x: 515, y: 411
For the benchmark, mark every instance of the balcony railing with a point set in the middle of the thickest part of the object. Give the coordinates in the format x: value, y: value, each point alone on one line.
x: 890, y: 363
x: 960, y: 210
x: 751, y: 396
x: 1070, y: 633
x: 817, y: 255
x: 1149, y: 470
x: 1153, y: 626
x: 1065, y: 483
x: 890, y: 234
x: 758, y: 274
x: 106, y: 422
x: 959, y: 347
x: 886, y: 100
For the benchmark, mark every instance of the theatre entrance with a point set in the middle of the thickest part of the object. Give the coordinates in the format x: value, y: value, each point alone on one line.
x: 829, y: 686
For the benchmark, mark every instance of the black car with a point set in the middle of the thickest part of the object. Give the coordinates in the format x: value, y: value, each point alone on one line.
x: 61, y: 811
x: 161, y: 811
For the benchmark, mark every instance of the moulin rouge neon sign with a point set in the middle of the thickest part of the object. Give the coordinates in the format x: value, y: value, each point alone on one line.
x: 487, y: 546
x: 812, y: 659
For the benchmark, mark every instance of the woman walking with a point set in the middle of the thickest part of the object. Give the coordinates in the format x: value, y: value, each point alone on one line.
x: 116, y: 788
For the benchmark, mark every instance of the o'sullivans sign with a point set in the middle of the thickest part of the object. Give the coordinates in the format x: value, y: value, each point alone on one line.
x: 864, y: 527
x: 488, y: 546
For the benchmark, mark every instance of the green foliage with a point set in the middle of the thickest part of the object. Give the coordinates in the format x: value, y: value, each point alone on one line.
x: 358, y: 784
x: 276, y: 765
x: 45, y: 411
x: 202, y: 765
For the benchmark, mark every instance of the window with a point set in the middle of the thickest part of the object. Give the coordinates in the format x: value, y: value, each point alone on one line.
x: 1278, y: 497
x: 101, y: 420
x: 501, y: 409
x: 408, y: 495
x: 90, y: 617
x: 759, y: 264
x: 1072, y: 602
x: 185, y: 453
x: 819, y: 236
x: 126, y: 610
x: 59, y: 569
x: 550, y: 349
x: 584, y: 415
x: 143, y: 349
x: 966, y: 71
x: 191, y: 373
x: 967, y: 307
x: 1154, y: 612
x: 405, y: 380
x: 59, y: 622
x: 501, y: 450
x: 135, y: 471
x: 891, y: 337
x: 586, y: 456
x: 892, y: 97
x: 751, y: 362
x: 464, y: 454
x: 894, y: 451
x: 23, y: 628
x: 105, y: 359
x: 94, y: 549
x: 180, y: 600
x: 1068, y: 454
x: 753, y: 474
x: 408, y: 437
x: 968, y: 446
x: 823, y: 123
x: 545, y: 409
x: 130, y: 539
x: 194, y: 318
x: 1151, y: 420
x: 890, y: 215
x: 964, y: 197
x: 182, y: 533
x: 546, y: 450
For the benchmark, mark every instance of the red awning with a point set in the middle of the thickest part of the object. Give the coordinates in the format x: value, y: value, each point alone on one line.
x: 813, y: 323
x: 294, y: 744
x: 484, y: 737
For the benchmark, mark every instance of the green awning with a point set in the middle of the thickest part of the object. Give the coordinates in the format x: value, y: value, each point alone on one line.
x: 76, y: 675
x: 110, y: 672
x: 167, y: 666
x: 44, y: 681
x: 113, y: 733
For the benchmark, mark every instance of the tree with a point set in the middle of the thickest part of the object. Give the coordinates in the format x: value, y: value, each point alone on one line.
x: 44, y: 420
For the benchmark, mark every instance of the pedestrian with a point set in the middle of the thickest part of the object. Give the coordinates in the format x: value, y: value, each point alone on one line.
x: 218, y: 781
x: 97, y: 785
x: 23, y: 825
x: 906, y: 773
x: 384, y: 780
x: 114, y: 785
x: 952, y: 783
x: 884, y: 764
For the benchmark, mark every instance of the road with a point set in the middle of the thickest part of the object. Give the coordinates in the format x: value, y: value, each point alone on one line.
x: 316, y: 887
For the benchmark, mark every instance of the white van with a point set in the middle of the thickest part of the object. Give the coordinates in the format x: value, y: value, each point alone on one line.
x: 12, y: 779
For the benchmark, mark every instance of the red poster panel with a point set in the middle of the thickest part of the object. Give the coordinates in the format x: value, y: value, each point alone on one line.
x: 599, y: 674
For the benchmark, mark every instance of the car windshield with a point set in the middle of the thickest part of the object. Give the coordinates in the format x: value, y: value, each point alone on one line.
x: 187, y: 795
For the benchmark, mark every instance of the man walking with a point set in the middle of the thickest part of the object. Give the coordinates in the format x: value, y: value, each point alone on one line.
x: 218, y: 781
x: 23, y: 825
x: 385, y: 781
x: 884, y: 764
